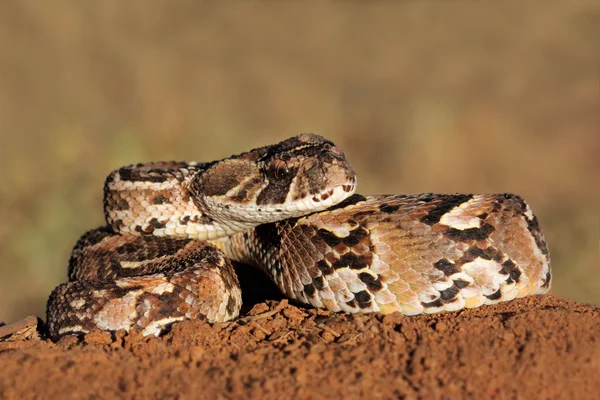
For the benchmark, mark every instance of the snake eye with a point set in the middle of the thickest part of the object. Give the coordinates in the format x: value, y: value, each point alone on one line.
x: 278, y: 169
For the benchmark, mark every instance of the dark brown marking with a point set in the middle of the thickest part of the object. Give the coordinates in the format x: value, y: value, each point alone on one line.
x: 469, y: 255
x: 510, y: 268
x: 319, y: 282
x: 89, y: 239
x: 339, y: 264
x: 367, y: 258
x: 277, y: 189
x: 120, y: 203
x: 515, y: 274
x: 298, y: 195
x: 204, y: 219
x: 475, y: 252
x: 138, y: 173
x: 355, y: 236
x: 148, y: 248
x: 547, y: 281
x: 351, y: 303
x: 497, y: 206
x: 424, y: 198
x: 435, y: 303
x: 487, y: 253
x: 160, y: 199
x: 495, y: 296
x: 373, y: 283
x: 498, y: 255
x: 388, y: 208
x: 449, y: 294
x: 330, y: 238
x: 521, y: 202
x: 221, y: 177
x: 324, y: 267
x: 534, y: 228
x: 156, y: 224
x: 507, y: 267
x: 231, y: 305
x: 363, y: 298
x: 466, y: 235
x: 250, y: 189
x: 459, y: 283
x: 118, y: 292
x: 353, y: 261
x: 361, y: 215
x: 447, y: 267
x: 309, y: 289
x: 449, y: 202
x: 268, y: 235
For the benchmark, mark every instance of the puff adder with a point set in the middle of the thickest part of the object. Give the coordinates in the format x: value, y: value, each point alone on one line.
x: 290, y: 210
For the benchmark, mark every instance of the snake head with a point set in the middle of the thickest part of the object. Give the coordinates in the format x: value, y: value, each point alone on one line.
x: 298, y: 176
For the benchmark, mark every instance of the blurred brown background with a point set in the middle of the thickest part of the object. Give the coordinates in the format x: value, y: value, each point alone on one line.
x: 441, y: 96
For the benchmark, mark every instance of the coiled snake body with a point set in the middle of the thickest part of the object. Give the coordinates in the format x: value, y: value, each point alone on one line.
x: 289, y: 209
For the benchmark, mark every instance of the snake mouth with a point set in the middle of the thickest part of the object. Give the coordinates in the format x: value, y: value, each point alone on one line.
x: 326, y: 199
x: 307, y: 194
x: 238, y: 217
x: 234, y: 216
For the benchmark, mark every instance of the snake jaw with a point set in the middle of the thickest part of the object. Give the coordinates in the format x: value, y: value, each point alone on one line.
x: 231, y: 217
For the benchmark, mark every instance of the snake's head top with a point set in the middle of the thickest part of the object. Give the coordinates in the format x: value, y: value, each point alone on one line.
x: 298, y: 176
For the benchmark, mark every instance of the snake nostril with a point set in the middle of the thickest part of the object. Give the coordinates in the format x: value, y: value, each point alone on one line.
x: 338, y: 152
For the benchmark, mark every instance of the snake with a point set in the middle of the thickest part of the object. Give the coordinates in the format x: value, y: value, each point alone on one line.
x: 173, y: 230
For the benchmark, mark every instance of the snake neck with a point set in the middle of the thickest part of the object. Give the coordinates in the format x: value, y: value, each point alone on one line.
x: 255, y: 247
x: 262, y: 248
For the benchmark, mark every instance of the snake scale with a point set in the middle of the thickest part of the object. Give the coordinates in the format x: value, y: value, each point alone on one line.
x: 289, y: 209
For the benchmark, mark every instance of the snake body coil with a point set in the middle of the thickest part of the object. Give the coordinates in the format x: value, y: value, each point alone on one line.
x: 289, y: 210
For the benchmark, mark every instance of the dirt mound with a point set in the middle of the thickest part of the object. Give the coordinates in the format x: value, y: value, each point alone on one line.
x: 538, y: 347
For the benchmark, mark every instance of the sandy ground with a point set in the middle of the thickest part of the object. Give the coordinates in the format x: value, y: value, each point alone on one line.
x: 539, y: 347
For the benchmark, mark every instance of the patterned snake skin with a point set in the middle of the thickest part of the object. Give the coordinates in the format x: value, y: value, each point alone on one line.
x: 414, y: 254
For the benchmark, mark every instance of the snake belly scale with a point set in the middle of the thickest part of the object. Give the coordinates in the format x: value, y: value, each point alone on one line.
x: 290, y: 210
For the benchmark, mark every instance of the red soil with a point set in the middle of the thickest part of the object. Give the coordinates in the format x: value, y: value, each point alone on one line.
x: 537, y: 347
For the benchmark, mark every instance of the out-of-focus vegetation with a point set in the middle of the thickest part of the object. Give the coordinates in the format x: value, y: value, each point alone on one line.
x: 440, y: 96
